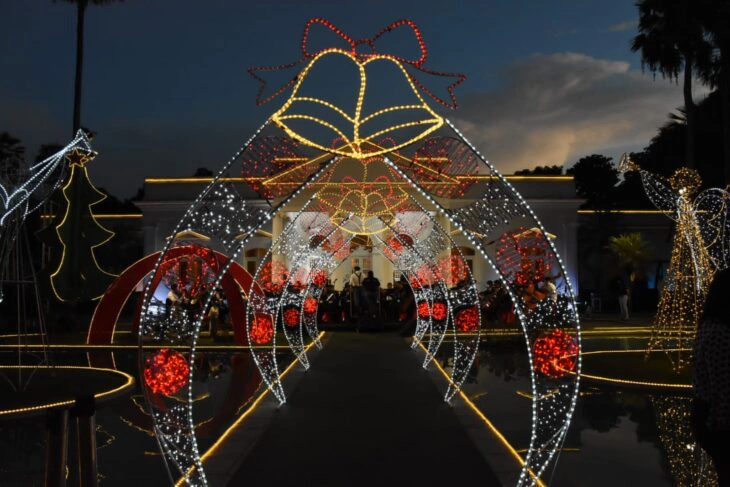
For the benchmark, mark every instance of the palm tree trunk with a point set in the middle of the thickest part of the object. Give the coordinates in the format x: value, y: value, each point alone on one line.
x: 80, y: 14
x: 689, y: 107
x: 725, y: 110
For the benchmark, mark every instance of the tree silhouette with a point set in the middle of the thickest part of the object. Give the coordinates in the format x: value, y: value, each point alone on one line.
x: 595, y: 180
x: 80, y: 18
x: 671, y: 39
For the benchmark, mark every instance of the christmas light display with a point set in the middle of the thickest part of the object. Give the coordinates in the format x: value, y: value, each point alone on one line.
x: 404, y: 156
x: 689, y: 464
x: 166, y: 372
x: 19, y: 198
x: 700, y: 246
x: 78, y: 276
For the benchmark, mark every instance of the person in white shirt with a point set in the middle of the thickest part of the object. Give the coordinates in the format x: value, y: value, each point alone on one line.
x: 355, y: 289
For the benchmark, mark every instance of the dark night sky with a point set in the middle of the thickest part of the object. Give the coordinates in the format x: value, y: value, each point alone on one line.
x: 166, y: 87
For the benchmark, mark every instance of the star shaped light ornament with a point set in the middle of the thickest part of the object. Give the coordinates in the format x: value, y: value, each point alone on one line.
x: 80, y: 157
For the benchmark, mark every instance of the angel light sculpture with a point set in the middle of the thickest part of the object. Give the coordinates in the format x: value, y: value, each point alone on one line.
x: 700, y: 247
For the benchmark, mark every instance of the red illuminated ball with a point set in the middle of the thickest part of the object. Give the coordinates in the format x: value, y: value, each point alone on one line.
x: 423, y: 311
x: 291, y: 317
x: 555, y: 353
x: 320, y: 278
x: 166, y: 372
x: 310, y: 306
x: 438, y: 311
x: 262, y: 329
x: 467, y: 319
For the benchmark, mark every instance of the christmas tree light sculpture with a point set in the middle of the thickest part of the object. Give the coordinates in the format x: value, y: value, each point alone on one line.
x: 78, y: 276
x: 700, y: 246
x: 378, y: 177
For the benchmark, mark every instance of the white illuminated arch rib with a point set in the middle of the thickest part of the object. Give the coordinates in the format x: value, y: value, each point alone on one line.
x: 223, y: 214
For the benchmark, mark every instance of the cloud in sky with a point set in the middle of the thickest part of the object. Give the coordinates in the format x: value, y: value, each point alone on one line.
x: 623, y: 26
x: 556, y: 108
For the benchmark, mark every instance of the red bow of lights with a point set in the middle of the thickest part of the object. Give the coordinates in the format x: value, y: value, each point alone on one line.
x: 423, y: 310
x: 555, y: 353
x: 362, y: 49
x: 166, y: 372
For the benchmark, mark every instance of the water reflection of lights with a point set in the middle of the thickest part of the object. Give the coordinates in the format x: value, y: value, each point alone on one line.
x: 497, y: 434
x: 688, y: 463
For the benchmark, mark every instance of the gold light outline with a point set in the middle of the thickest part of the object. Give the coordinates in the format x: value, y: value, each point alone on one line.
x: 63, y: 221
x: 50, y: 405
x: 354, y: 144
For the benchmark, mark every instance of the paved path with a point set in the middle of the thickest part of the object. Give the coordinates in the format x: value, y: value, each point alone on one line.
x: 366, y: 414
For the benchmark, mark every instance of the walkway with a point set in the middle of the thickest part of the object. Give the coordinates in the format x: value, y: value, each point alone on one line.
x: 365, y: 414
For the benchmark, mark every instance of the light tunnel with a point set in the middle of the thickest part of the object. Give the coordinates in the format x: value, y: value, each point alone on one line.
x: 409, y: 195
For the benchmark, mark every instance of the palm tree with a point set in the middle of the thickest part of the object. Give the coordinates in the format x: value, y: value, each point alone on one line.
x: 12, y: 158
x: 80, y: 16
x: 671, y: 39
x: 631, y: 249
x: 717, y: 72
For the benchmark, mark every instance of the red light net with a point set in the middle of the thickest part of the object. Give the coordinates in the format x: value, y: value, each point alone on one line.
x: 166, y: 372
x: 524, y: 256
x: 192, y: 275
x: 555, y: 353
x: 443, y: 166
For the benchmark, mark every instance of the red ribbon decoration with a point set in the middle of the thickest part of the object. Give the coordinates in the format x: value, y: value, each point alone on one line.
x: 353, y: 46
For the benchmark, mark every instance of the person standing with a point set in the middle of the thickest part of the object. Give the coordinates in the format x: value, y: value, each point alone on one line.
x: 623, y: 298
x: 355, y: 289
x: 711, y: 377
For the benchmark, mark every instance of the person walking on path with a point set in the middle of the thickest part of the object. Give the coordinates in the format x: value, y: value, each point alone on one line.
x: 711, y: 377
x: 623, y: 298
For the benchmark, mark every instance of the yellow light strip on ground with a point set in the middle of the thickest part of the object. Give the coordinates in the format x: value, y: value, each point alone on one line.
x: 134, y: 347
x: 625, y: 212
x: 243, y: 416
x: 627, y: 381
x: 104, y: 216
x: 129, y: 382
x: 486, y: 421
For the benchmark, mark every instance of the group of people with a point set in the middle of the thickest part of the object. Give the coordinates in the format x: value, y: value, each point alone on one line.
x: 185, y: 305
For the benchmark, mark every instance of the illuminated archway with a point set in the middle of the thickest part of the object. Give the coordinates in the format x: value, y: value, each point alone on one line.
x: 379, y: 170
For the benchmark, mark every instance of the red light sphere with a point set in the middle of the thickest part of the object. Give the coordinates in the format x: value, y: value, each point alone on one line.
x: 438, y: 311
x: 166, y: 372
x: 320, y: 278
x: 310, y: 306
x: 291, y: 317
x: 467, y: 319
x: 262, y: 329
x: 423, y: 311
x: 555, y: 353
